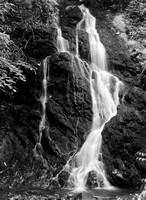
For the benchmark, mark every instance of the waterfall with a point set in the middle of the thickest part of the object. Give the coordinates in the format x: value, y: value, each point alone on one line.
x: 104, y: 91
x: 97, y: 50
x: 104, y: 88
x: 62, y: 44
x: 43, y: 99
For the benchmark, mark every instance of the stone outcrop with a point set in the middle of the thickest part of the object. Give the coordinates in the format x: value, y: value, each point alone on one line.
x: 68, y: 109
x: 123, y: 138
x: 68, y: 120
x: 70, y: 16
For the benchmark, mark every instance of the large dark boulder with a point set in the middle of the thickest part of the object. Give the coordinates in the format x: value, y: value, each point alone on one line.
x: 68, y: 121
x: 70, y: 16
x: 69, y: 109
x: 68, y: 112
x: 124, y: 139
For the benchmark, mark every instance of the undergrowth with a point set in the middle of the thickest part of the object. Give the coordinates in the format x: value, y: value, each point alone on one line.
x: 27, y: 15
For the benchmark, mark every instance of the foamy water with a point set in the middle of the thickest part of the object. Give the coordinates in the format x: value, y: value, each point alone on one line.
x: 104, y: 89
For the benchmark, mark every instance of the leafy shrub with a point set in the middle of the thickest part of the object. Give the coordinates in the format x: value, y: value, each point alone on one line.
x: 9, y: 74
x: 136, y: 17
x: 136, y: 11
x: 30, y: 14
x: 5, y: 7
x: 27, y: 15
x: 11, y: 63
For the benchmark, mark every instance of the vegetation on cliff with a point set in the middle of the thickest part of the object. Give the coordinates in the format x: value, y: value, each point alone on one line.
x: 25, y: 15
x: 9, y: 65
x: 135, y: 19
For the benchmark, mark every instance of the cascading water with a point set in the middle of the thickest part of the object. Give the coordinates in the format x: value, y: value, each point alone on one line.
x: 43, y: 100
x: 97, y: 50
x: 104, y: 91
x: 62, y: 44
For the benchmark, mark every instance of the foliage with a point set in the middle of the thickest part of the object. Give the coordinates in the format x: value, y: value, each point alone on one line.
x: 9, y: 74
x: 136, y: 17
x: 11, y: 63
x: 136, y: 11
x: 5, y: 7
x: 27, y: 15
x: 30, y: 14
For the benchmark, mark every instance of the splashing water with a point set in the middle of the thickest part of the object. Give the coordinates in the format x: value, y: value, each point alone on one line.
x: 62, y: 44
x: 104, y: 91
x: 88, y: 159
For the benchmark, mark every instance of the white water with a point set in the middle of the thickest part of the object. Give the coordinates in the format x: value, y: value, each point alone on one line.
x: 62, y: 44
x: 104, y: 91
x: 43, y: 100
x: 97, y: 50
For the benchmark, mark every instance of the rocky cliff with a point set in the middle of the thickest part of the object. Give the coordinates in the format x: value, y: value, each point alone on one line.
x: 69, y: 108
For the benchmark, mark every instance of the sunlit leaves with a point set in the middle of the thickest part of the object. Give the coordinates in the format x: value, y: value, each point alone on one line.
x: 29, y: 14
x: 9, y: 75
x: 5, y: 7
x: 26, y: 15
x: 10, y: 71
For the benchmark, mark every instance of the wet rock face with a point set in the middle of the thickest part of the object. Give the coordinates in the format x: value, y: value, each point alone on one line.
x: 74, y: 15
x: 62, y: 178
x: 78, y: 196
x: 69, y: 109
x: 68, y: 119
x: 92, y: 180
x: 70, y: 16
x: 118, y: 58
x: 125, y: 138
x: 83, y: 42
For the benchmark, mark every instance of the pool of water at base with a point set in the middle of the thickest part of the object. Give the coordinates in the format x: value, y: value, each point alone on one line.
x: 28, y: 193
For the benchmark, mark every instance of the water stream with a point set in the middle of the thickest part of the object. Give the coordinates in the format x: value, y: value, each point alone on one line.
x: 104, y: 91
x: 43, y: 99
x: 62, y: 44
x: 104, y: 88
